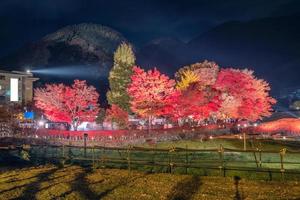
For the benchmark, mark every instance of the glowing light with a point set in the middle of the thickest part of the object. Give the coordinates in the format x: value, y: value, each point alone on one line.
x: 290, y: 125
x: 41, y: 123
x: 284, y: 137
x: 255, y: 124
x: 75, y: 71
x: 28, y: 71
x: 211, y: 137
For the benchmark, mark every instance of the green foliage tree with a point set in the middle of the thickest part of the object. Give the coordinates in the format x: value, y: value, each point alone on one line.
x: 119, y: 77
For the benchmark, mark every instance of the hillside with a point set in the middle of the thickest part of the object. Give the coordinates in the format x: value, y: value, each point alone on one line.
x: 72, y: 45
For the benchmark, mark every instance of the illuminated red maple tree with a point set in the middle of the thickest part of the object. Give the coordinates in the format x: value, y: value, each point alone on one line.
x: 72, y: 104
x: 149, y: 92
x: 194, y: 103
x: 117, y: 115
x: 243, y: 96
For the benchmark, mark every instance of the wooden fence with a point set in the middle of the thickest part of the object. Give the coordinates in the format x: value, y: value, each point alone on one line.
x: 221, y: 161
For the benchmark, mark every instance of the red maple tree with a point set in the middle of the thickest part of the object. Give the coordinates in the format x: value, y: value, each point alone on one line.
x: 71, y: 104
x: 117, y: 115
x: 195, y: 102
x: 149, y: 92
x: 243, y: 95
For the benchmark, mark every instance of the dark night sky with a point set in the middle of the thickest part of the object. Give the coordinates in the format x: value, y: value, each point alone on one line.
x: 24, y: 21
x: 258, y: 34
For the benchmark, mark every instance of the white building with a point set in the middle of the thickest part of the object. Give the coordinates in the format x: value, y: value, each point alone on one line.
x: 16, y: 87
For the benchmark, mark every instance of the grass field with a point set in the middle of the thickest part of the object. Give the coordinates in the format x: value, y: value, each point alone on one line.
x: 267, y: 145
x: 74, y: 182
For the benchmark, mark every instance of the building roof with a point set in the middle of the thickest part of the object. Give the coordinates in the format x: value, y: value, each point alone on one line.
x: 20, y: 74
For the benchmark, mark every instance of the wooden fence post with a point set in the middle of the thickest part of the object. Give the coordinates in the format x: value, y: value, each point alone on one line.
x: 221, y: 157
x: 171, y: 164
x: 282, y: 170
x: 129, y: 159
x: 256, y: 161
x: 85, y: 136
x: 63, y: 151
x: 186, y: 159
x: 103, y: 158
x: 93, y: 156
x: 245, y: 142
x: 63, y: 155
x: 260, y: 161
x: 153, y: 158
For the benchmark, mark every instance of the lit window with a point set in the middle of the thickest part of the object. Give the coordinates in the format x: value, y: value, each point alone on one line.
x: 14, y: 91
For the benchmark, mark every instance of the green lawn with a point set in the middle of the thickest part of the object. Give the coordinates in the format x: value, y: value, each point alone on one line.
x: 74, y: 182
x: 267, y: 145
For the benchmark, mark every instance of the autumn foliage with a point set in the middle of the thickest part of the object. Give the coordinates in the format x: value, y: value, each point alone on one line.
x: 72, y: 104
x: 117, y: 115
x: 149, y: 92
x: 243, y: 96
x: 203, y: 91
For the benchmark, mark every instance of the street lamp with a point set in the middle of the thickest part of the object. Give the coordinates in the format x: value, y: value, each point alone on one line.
x: 244, y: 136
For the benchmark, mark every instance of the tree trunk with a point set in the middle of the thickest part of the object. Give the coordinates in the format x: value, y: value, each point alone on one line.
x: 75, y: 126
x: 149, y: 124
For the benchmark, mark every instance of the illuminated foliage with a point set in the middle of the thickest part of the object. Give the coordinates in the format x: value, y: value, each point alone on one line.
x: 116, y: 115
x: 119, y: 76
x: 243, y: 96
x: 187, y: 77
x: 193, y: 103
x: 289, y: 125
x: 206, y: 73
x: 149, y: 92
x: 229, y: 93
x: 197, y: 99
x: 72, y: 104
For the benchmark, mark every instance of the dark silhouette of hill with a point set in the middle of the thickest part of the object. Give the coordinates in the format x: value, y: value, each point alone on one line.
x: 80, y: 44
